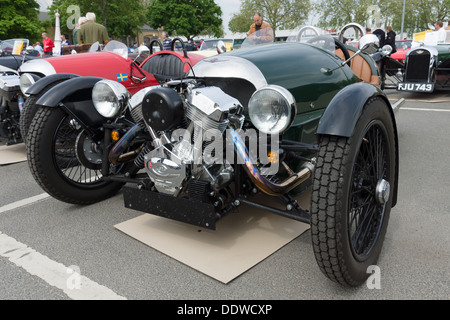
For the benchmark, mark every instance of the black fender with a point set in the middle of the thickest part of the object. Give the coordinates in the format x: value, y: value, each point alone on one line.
x: 41, y: 83
x: 344, y: 110
x: 75, y: 96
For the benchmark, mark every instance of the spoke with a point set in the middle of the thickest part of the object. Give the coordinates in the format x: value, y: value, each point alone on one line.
x: 66, y: 158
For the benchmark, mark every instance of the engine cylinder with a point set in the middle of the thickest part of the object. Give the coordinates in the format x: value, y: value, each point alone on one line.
x: 162, y: 109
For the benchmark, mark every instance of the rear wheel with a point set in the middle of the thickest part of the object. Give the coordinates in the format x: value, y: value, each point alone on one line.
x: 351, y: 198
x: 64, y: 160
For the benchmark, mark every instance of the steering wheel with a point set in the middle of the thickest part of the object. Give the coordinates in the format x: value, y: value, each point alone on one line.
x: 340, y: 45
x: 161, y: 47
x: 303, y: 30
x: 182, y: 46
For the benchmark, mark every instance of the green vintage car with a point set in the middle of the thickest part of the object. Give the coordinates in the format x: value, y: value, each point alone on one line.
x: 269, y: 120
x: 427, y: 68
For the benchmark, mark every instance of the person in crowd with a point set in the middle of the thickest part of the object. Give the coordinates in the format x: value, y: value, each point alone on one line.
x: 380, y: 34
x: 390, y: 39
x: 167, y: 42
x: 448, y: 25
x: 47, y: 44
x: 81, y: 21
x: 37, y: 46
x: 190, y: 46
x: 265, y: 33
x: 441, y: 33
x: 91, y: 31
x: 368, y: 30
x: 64, y: 42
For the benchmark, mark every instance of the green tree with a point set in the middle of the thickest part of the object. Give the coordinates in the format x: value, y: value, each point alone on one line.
x: 19, y: 19
x: 187, y: 18
x: 121, y: 18
x: 419, y: 15
x: 280, y: 14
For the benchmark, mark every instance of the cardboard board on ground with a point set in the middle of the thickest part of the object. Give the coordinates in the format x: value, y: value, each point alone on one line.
x: 12, y: 154
x: 241, y: 240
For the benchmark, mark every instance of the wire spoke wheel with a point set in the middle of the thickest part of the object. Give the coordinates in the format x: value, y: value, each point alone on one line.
x: 352, y: 195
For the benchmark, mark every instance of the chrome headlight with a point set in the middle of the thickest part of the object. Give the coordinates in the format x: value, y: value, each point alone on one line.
x: 109, y: 98
x: 272, y: 109
x: 25, y: 82
x: 387, y: 49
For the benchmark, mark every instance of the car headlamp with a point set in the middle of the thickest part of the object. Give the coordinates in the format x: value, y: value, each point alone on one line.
x: 272, y: 109
x: 387, y: 49
x: 26, y: 81
x: 109, y: 98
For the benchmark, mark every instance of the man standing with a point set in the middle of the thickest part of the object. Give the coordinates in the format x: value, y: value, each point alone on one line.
x: 380, y: 34
x: 441, y: 33
x: 47, y: 44
x: 265, y: 33
x: 167, y: 42
x: 91, y: 31
x: 390, y: 38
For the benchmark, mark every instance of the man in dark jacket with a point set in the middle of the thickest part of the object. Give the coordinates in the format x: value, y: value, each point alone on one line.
x: 380, y: 34
x: 390, y: 38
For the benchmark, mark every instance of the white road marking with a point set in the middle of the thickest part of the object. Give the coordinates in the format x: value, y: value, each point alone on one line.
x: 23, y: 202
x: 68, y: 279
x: 76, y: 286
x: 425, y: 109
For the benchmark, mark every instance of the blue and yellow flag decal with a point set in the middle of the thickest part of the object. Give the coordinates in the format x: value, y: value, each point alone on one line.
x: 122, y: 77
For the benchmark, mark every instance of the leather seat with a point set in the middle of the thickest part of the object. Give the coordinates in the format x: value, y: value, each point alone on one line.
x: 165, y: 67
x: 361, y: 67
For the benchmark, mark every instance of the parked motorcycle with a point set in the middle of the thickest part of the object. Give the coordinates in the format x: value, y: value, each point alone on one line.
x: 13, y: 53
x: 273, y: 119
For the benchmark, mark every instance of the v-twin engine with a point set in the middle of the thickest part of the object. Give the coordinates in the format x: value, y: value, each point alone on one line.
x: 187, y: 129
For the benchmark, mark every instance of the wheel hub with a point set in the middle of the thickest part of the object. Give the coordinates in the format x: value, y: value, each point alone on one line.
x: 88, y: 152
x: 382, y: 191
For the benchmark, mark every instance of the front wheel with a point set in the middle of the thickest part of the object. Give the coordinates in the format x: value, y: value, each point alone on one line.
x: 352, y: 197
x: 64, y: 161
x: 29, y: 109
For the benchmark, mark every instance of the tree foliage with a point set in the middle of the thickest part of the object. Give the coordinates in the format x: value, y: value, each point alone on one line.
x: 19, y: 19
x: 121, y: 18
x: 188, y: 18
x: 280, y: 14
x: 419, y: 15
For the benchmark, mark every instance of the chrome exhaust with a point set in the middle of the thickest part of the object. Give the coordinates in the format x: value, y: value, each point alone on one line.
x: 261, y: 182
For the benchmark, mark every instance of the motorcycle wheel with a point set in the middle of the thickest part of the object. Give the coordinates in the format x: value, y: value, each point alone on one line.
x: 29, y: 110
x: 351, y: 199
x: 54, y: 158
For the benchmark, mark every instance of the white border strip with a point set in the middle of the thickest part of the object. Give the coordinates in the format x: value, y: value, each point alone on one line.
x: 23, y: 202
x: 74, y: 285
x: 425, y: 109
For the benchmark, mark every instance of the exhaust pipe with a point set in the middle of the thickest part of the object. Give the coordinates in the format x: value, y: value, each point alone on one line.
x: 268, y: 187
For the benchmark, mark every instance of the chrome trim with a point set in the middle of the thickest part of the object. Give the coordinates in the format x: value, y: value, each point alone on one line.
x: 229, y: 67
x: 37, y: 66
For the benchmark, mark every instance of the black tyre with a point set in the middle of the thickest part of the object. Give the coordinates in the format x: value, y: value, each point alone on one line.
x: 351, y: 199
x: 57, y: 161
x: 29, y: 109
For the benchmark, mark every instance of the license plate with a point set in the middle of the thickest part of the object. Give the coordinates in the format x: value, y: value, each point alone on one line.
x: 415, y: 87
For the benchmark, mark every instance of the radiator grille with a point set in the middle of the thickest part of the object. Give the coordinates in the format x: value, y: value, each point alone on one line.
x: 417, y: 67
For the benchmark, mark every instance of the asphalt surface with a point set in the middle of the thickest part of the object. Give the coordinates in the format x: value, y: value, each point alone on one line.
x: 413, y: 265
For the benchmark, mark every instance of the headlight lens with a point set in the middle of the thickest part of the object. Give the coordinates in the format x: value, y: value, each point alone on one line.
x: 26, y: 81
x: 109, y: 98
x: 272, y: 109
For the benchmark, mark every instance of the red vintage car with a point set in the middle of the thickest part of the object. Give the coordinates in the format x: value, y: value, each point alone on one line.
x: 403, y: 46
x: 113, y: 63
